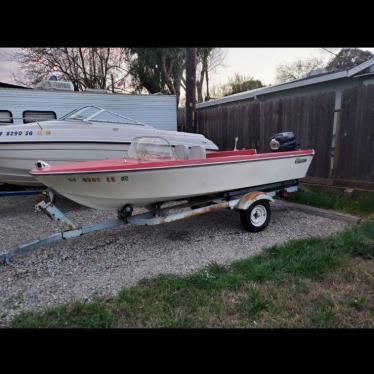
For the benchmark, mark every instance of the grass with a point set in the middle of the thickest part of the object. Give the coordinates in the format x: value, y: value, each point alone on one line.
x: 317, y: 282
x: 322, y: 314
x: 254, y: 303
x: 359, y: 303
x: 359, y: 202
x: 76, y: 314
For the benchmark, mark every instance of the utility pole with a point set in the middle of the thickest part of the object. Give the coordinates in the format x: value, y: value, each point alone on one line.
x: 190, y: 89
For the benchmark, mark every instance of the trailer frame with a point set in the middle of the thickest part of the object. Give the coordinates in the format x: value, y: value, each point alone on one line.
x: 240, y: 200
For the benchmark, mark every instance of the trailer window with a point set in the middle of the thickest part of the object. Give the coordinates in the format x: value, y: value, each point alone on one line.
x: 38, y: 115
x: 5, y: 117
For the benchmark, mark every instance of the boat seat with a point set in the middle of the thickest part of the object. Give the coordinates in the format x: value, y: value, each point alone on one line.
x: 197, y: 152
x: 181, y: 152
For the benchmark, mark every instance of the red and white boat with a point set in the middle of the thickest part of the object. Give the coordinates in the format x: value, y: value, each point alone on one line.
x: 153, y: 173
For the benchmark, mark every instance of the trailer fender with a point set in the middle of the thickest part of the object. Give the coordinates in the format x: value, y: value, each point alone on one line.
x: 248, y: 199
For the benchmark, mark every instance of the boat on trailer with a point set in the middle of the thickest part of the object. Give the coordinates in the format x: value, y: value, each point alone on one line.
x: 172, y: 184
x: 154, y: 173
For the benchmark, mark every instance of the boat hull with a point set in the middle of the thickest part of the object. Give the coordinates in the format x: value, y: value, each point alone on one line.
x: 115, y: 189
x: 16, y: 160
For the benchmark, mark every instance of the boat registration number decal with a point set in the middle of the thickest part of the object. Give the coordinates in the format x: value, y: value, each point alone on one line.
x: 26, y: 133
x: 300, y: 160
x: 15, y: 133
x: 124, y: 178
x: 91, y: 179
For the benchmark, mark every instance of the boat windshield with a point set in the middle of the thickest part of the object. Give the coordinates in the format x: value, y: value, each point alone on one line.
x: 146, y: 148
x: 96, y: 114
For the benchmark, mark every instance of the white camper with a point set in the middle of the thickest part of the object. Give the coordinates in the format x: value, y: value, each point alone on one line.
x: 53, y: 99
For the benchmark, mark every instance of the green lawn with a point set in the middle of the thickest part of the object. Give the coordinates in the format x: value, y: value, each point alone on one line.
x: 318, y: 282
x: 359, y: 202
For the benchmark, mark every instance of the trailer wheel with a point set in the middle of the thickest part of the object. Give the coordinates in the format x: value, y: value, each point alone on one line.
x: 257, y: 216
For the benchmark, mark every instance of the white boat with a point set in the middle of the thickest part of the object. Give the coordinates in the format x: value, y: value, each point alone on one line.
x: 154, y: 173
x: 88, y: 133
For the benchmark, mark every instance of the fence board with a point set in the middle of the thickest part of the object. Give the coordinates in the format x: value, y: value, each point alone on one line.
x: 356, y: 135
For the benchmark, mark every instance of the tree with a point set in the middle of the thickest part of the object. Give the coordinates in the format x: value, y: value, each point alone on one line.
x: 241, y: 83
x: 157, y: 69
x: 217, y: 91
x: 84, y: 67
x: 203, y: 56
x: 209, y: 59
x: 298, y: 69
x: 348, y: 58
x: 163, y: 69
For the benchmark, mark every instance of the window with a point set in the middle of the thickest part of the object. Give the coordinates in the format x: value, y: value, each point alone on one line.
x: 5, y: 117
x: 107, y: 116
x: 38, y: 115
x: 96, y: 114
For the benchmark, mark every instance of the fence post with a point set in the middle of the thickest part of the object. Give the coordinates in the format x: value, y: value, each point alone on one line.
x: 336, y: 150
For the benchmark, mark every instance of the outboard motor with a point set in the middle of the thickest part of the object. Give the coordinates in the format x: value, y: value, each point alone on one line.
x: 283, y: 141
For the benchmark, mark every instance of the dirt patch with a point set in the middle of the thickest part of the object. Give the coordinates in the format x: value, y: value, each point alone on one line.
x: 343, y: 299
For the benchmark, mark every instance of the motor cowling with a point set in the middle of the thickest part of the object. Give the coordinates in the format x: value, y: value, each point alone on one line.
x: 283, y: 141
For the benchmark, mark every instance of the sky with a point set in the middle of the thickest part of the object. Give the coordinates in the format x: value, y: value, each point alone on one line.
x: 260, y: 63
x: 8, y: 65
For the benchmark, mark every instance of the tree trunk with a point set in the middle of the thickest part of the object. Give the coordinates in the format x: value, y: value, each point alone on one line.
x: 164, y: 72
x: 206, y: 70
x: 207, y: 97
x: 166, y: 75
x: 190, y: 88
x: 199, y: 86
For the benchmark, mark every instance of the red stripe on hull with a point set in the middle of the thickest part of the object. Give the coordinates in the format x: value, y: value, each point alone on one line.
x: 132, y: 165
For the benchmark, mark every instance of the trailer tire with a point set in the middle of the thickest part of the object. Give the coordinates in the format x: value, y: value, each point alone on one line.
x: 257, y: 216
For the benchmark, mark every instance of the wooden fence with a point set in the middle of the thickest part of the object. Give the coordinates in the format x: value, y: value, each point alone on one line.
x: 181, y: 119
x: 348, y: 162
x: 355, y: 138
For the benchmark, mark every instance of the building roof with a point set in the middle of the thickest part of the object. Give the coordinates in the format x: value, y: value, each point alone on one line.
x: 314, y: 79
x: 8, y: 85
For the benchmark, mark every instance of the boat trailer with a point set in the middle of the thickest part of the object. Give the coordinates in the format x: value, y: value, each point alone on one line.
x: 252, y: 203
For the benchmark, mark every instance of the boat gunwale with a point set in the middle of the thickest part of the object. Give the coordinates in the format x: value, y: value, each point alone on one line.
x: 175, y: 164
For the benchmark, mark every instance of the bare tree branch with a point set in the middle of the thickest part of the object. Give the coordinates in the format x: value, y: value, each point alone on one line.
x: 84, y: 67
x: 298, y: 69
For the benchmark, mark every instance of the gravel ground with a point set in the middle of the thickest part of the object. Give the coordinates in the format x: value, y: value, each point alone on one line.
x: 103, y: 262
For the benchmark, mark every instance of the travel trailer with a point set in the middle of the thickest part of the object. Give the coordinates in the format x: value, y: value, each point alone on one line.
x: 53, y: 99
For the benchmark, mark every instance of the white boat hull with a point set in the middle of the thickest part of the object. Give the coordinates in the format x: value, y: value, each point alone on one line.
x: 113, y: 190
x: 62, y: 142
x: 16, y: 160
